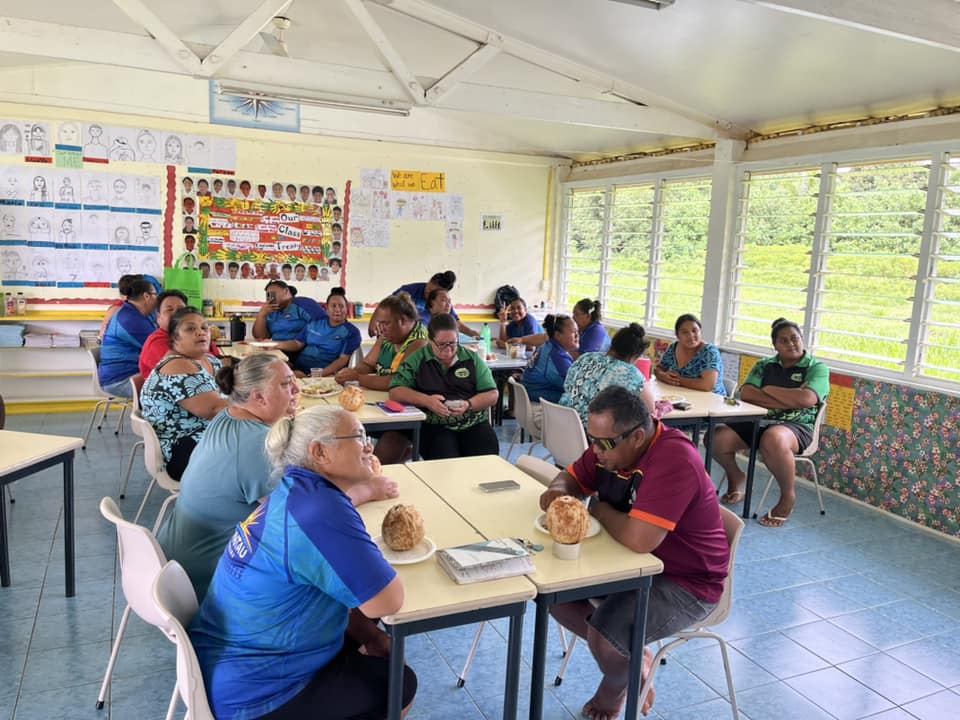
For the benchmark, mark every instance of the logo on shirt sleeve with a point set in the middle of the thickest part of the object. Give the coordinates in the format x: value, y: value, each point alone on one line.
x: 246, y: 539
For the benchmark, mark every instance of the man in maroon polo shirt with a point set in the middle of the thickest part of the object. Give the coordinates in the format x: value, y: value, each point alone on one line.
x: 648, y: 488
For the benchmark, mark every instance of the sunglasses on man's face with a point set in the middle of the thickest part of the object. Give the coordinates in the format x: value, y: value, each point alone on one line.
x: 607, y: 444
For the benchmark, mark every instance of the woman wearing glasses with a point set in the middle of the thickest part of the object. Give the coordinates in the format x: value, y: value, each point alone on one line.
x: 455, y: 388
x: 124, y: 337
x: 549, y: 365
x: 285, y: 629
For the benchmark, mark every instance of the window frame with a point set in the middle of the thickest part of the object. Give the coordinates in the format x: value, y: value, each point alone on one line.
x: 608, y: 187
x: 910, y: 375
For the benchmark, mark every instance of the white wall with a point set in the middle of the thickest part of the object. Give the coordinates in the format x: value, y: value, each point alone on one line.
x: 514, y: 185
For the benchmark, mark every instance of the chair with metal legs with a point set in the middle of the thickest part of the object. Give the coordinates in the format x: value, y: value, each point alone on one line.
x: 136, y: 382
x: 141, y: 559
x: 105, y: 403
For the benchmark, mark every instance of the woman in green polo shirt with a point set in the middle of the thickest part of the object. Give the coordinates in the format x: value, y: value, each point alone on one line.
x: 792, y: 385
x: 454, y: 387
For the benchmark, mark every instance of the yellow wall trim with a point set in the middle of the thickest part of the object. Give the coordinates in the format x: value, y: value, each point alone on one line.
x: 54, y: 406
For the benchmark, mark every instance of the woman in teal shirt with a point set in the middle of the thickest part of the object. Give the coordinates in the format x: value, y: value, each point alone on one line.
x: 690, y: 362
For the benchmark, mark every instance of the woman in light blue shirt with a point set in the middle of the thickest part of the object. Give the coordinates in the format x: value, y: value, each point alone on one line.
x: 593, y: 335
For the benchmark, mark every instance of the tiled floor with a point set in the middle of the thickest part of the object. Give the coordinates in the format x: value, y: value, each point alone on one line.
x: 846, y: 616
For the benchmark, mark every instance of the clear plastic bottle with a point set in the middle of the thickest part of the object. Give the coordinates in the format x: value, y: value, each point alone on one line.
x: 21, y: 304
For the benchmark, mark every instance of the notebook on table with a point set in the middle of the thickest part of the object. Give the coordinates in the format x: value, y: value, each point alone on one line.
x: 488, y: 560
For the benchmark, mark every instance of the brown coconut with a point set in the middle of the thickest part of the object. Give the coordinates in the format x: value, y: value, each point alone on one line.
x: 402, y: 528
x: 568, y: 520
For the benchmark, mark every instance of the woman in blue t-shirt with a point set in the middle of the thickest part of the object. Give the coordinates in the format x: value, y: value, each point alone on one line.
x: 690, y: 362
x: 285, y: 629
x: 548, y: 367
x: 125, y: 335
x: 593, y: 335
x: 515, y: 322
x: 327, y: 342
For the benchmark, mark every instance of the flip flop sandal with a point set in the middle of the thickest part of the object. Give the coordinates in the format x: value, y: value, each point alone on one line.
x: 773, y: 521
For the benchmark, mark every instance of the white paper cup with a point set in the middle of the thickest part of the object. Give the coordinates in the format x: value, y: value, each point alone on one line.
x: 316, y: 372
x: 566, y: 552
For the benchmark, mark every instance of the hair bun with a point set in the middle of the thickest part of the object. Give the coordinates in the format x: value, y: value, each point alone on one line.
x: 225, y: 378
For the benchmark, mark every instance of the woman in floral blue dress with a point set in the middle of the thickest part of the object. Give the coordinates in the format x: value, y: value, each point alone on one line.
x: 181, y: 397
x: 690, y: 362
x: 594, y: 371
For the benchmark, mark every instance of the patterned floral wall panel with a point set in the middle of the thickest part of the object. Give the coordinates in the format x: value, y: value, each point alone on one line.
x: 902, y: 455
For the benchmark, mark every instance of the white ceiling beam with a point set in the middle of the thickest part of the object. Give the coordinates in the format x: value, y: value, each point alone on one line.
x: 241, y: 35
x: 473, y: 62
x: 64, y: 42
x: 526, y: 105
x: 458, y: 25
x: 144, y: 16
x: 929, y: 22
x: 388, y: 54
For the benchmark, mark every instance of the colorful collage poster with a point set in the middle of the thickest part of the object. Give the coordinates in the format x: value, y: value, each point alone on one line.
x: 71, y: 228
x: 243, y: 231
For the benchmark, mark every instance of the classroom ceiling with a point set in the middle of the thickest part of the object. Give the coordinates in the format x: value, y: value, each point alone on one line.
x: 577, y: 79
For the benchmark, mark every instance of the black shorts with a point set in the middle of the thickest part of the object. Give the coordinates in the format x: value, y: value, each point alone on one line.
x: 352, y: 686
x: 745, y: 430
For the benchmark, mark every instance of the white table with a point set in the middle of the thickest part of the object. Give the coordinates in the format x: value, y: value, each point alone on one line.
x: 432, y: 600
x: 23, y: 454
x: 373, y: 418
x: 605, y: 566
x: 243, y: 348
x: 714, y: 410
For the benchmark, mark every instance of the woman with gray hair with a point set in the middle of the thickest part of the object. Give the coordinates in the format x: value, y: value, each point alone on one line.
x: 285, y: 630
x: 228, y: 472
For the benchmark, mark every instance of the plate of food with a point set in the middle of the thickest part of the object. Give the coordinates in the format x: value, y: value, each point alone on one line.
x: 263, y: 344
x: 541, y: 524
x: 320, y: 387
x: 418, y: 553
x: 673, y: 398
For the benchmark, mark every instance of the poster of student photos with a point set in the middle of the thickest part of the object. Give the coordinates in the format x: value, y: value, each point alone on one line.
x: 75, y: 228
x: 243, y: 230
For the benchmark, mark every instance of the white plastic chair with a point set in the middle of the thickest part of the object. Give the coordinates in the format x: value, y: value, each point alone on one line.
x: 140, y: 561
x: 805, y: 457
x: 176, y: 604
x: 563, y: 434
x: 523, y: 412
x: 153, y: 459
x: 104, y: 405
x: 136, y: 382
x: 733, y: 527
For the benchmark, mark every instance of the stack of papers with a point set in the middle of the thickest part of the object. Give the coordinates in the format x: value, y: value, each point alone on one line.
x: 65, y: 341
x: 38, y: 340
x: 12, y: 335
x: 488, y: 560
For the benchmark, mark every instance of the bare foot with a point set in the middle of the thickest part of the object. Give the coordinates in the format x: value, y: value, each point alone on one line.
x: 607, y: 703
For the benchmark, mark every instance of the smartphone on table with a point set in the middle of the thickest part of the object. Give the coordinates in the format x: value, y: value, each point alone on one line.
x: 499, y: 485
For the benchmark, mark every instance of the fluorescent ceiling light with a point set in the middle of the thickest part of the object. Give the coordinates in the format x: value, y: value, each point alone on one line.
x: 305, y: 97
x: 652, y: 4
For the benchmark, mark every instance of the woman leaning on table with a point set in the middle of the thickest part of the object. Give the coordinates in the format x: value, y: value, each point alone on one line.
x: 792, y: 385
x: 548, y: 368
x: 326, y: 342
x: 455, y: 388
x: 285, y: 630
x: 690, y: 362
x: 181, y: 397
